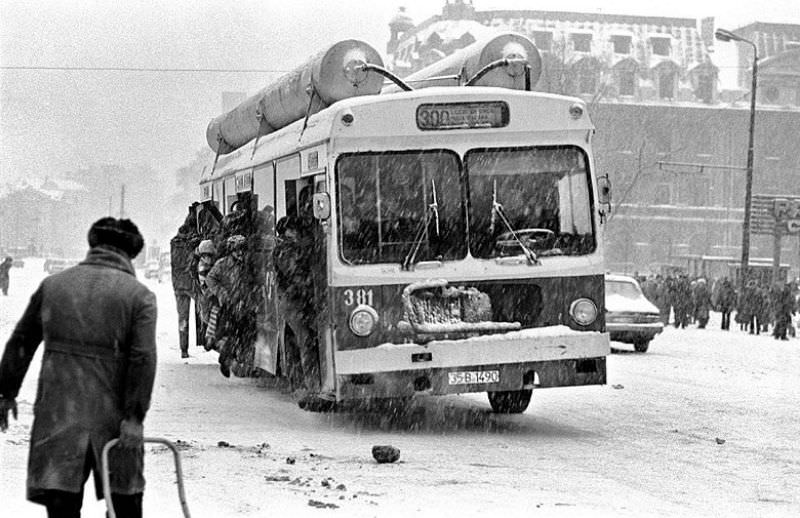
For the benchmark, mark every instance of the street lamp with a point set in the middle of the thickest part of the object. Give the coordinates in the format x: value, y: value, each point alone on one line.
x: 724, y: 35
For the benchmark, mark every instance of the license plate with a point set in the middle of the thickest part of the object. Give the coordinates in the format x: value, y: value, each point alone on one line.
x: 472, y: 377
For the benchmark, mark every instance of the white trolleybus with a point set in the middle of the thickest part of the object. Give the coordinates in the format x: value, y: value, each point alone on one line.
x: 457, y: 231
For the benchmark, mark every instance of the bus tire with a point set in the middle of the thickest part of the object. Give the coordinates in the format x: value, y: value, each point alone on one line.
x: 641, y: 346
x: 510, y: 401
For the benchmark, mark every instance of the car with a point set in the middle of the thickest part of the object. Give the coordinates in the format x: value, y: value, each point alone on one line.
x: 151, y: 270
x: 630, y: 317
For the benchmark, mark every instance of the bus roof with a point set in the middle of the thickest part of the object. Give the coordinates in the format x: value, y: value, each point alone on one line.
x: 543, y: 112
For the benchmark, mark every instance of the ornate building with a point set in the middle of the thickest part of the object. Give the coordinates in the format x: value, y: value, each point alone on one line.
x: 632, y: 58
x: 673, y: 145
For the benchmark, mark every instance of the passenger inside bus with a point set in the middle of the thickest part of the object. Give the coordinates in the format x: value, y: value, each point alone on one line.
x: 293, y: 255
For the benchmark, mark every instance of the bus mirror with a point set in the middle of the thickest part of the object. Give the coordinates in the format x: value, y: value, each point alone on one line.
x: 604, y: 189
x: 322, y: 206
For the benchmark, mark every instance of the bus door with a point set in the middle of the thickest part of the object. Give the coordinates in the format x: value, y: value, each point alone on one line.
x: 263, y: 205
x: 322, y: 294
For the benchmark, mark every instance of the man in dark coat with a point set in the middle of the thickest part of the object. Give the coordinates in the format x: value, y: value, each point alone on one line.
x: 227, y: 282
x: 784, y: 310
x: 702, y: 303
x: 5, y: 266
x: 182, y: 248
x: 725, y: 301
x: 98, y: 324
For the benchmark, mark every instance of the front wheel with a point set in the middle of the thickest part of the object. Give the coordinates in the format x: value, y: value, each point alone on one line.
x: 641, y: 346
x: 510, y: 401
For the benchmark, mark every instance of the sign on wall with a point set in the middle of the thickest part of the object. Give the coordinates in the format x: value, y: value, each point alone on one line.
x: 769, y: 212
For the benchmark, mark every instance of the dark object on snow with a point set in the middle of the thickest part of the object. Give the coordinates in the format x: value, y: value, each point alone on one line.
x: 720, y: 441
x: 223, y: 444
x: 384, y: 454
x: 290, y: 460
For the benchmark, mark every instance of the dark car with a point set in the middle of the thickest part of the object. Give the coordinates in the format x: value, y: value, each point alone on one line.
x: 630, y: 317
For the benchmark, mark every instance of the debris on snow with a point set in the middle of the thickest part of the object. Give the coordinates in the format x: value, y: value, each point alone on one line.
x: 290, y: 460
x: 322, y: 505
x: 617, y: 387
x: 720, y: 441
x: 223, y: 444
x: 277, y: 478
x: 384, y: 454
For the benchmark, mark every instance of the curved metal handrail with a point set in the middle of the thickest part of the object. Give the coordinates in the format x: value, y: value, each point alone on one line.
x: 107, y: 482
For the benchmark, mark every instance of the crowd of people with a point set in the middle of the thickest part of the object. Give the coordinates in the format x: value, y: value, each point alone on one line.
x: 224, y: 263
x: 757, y: 309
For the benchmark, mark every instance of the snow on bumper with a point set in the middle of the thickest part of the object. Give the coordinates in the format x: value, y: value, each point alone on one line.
x: 528, y: 345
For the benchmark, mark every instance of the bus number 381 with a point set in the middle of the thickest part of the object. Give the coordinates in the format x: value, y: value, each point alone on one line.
x: 360, y: 296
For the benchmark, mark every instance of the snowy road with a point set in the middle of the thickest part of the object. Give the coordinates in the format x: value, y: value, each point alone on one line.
x: 704, y: 424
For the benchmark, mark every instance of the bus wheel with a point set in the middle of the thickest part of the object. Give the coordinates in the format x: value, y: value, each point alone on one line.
x: 641, y: 346
x: 510, y: 401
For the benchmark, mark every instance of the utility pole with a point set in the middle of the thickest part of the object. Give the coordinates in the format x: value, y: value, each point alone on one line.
x: 725, y: 35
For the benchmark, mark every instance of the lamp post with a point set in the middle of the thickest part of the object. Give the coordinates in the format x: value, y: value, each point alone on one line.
x: 724, y: 35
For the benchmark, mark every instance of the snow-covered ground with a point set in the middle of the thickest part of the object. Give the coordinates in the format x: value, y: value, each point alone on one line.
x: 704, y: 424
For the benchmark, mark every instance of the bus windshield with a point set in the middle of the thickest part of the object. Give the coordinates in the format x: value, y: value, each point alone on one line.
x: 396, y: 204
x: 534, y: 197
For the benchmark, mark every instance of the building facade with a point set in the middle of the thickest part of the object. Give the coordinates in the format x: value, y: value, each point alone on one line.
x: 673, y: 145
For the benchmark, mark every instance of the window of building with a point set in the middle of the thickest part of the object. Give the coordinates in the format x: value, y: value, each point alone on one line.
x: 622, y: 44
x: 772, y: 94
x: 662, y: 194
x: 581, y: 42
x: 661, y: 46
x: 627, y: 82
x: 587, y: 81
x: 666, y: 85
x: 698, y: 196
x: 705, y: 88
x: 543, y: 40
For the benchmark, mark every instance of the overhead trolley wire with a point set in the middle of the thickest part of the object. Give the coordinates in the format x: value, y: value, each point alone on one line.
x: 145, y: 69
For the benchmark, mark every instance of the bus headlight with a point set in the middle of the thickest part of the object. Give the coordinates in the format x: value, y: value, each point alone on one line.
x: 363, y: 320
x: 583, y: 311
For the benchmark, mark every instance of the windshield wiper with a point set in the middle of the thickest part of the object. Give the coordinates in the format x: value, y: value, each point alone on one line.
x: 497, y: 209
x: 419, y: 237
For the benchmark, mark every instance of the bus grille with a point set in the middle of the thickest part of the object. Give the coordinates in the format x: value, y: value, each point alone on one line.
x: 433, y: 307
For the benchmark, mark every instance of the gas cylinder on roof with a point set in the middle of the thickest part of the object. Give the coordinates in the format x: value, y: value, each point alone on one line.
x: 330, y: 76
x: 465, y: 63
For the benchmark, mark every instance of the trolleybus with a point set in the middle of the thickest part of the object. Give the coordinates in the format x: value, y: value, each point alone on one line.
x: 458, y: 241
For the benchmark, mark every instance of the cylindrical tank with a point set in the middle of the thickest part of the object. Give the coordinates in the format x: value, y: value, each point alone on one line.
x: 333, y: 74
x: 468, y: 61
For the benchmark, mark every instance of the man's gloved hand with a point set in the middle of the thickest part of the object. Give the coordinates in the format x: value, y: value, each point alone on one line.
x: 131, y: 434
x: 7, y: 405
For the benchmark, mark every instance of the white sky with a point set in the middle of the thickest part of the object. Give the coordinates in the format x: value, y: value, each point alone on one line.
x: 53, y: 121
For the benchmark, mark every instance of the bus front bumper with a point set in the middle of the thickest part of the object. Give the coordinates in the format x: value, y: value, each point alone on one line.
x: 542, y: 357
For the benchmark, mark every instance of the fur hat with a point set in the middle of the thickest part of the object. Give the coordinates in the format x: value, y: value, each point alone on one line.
x: 119, y: 233
x: 206, y: 247
x: 236, y: 242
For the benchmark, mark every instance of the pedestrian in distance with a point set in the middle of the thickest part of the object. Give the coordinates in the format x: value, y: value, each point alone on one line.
x: 5, y: 266
x: 725, y: 301
x: 98, y: 324
x: 182, y: 247
x: 702, y: 303
x: 784, y: 305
